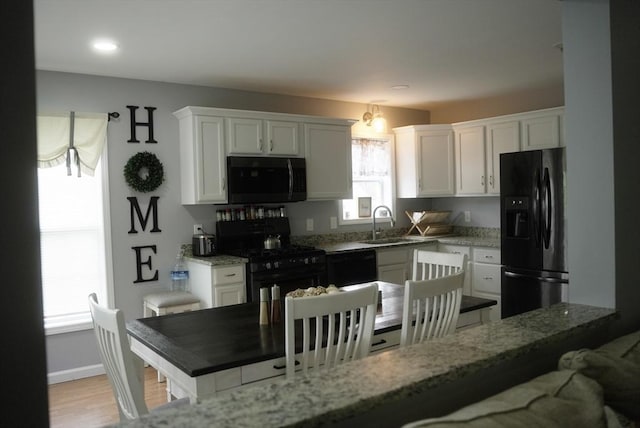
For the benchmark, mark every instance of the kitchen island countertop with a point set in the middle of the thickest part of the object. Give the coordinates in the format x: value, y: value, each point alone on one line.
x: 377, y: 390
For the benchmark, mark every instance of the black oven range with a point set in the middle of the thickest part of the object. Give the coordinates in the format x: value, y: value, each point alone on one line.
x: 289, y: 266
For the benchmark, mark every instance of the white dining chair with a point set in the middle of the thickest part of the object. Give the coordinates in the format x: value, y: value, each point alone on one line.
x: 433, y: 264
x: 124, y: 370
x: 342, y: 325
x: 431, y: 308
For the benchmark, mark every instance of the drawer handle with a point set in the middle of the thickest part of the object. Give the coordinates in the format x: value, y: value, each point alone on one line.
x: 231, y: 274
x: 488, y: 278
x: 381, y: 342
x: 488, y: 257
x: 284, y: 366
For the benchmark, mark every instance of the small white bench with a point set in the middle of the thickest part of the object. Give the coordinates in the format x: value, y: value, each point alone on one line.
x: 168, y: 302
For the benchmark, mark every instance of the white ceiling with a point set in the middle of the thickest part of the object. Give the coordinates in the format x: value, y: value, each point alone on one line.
x: 349, y: 50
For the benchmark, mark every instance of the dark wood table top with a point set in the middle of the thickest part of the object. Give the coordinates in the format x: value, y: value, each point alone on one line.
x: 210, y: 340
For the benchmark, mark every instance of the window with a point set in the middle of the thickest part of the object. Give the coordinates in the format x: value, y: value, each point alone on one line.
x: 72, y: 241
x: 73, y: 215
x: 372, y: 162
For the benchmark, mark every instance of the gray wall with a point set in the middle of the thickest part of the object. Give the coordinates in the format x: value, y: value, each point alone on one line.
x: 601, y: 92
x: 589, y: 133
x: 64, y: 91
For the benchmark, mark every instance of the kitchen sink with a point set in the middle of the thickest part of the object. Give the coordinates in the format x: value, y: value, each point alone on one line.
x: 385, y: 241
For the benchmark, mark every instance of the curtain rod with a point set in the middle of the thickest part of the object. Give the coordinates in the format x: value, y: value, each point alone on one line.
x: 114, y: 114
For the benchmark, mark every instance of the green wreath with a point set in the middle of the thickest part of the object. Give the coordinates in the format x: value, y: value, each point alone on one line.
x: 136, y: 164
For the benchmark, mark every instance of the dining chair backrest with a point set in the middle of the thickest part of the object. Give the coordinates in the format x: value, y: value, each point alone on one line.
x: 433, y: 264
x: 336, y: 328
x: 431, y: 308
x: 117, y: 359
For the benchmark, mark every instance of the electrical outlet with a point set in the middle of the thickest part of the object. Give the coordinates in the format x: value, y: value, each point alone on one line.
x: 333, y: 222
x: 197, y: 228
x: 309, y: 225
x: 467, y: 216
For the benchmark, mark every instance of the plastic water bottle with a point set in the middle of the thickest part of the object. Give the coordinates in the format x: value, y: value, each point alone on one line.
x: 179, y: 274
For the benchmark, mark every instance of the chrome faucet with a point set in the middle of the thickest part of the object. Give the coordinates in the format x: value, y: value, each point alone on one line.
x: 393, y: 222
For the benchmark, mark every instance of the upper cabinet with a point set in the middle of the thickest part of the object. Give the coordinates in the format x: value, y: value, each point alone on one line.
x: 424, y: 161
x: 203, y: 171
x: 249, y: 136
x: 542, y: 129
x: 328, y: 158
x: 502, y: 137
x: 478, y: 148
x: 470, y: 160
x: 479, y: 143
x: 209, y: 135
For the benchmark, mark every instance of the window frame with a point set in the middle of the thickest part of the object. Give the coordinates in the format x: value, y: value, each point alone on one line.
x: 82, y: 321
x: 392, y: 172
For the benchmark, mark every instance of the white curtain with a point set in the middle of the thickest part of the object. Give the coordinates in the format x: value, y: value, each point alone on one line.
x: 74, y: 138
x: 370, y: 157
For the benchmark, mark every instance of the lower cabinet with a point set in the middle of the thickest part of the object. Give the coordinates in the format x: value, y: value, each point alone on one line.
x: 217, y: 285
x: 395, y: 264
x: 482, y: 278
x: 486, y: 277
x: 392, y: 264
x: 461, y: 249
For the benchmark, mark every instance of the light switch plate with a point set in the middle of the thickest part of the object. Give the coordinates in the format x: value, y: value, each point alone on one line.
x: 467, y: 216
x: 333, y: 222
x: 197, y: 228
x: 309, y: 225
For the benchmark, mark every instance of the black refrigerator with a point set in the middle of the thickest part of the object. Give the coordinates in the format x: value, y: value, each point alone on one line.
x: 533, y: 230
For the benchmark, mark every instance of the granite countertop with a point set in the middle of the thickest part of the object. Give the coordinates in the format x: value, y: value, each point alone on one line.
x: 219, y: 260
x: 476, y: 241
x: 355, y: 389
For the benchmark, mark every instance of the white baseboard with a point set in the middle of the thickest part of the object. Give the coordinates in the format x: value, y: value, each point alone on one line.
x: 73, y: 374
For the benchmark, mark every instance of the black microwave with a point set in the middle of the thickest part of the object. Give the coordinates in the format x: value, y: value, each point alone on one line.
x: 266, y: 179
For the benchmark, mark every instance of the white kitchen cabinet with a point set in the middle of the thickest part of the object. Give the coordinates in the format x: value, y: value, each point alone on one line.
x: 501, y: 137
x: 203, y: 168
x: 395, y: 264
x: 424, y: 161
x: 328, y: 159
x: 208, y: 135
x: 542, y: 129
x: 461, y: 249
x: 392, y: 264
x: 254, y: 136
x: 487, y: 277
x: 217, y: 285
x: 470, y: 161
x: 478, y: 148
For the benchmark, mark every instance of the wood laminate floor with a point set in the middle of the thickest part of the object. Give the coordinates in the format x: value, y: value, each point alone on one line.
x: 89, y: 402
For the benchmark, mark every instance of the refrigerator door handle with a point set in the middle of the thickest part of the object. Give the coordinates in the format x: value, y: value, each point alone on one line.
x: 539, y: 278
x: 535, y: 209
x: 546, y: 204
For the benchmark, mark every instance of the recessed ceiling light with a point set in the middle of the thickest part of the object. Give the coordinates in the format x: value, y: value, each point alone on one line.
x: 400, y: 87
x: 104, y: 45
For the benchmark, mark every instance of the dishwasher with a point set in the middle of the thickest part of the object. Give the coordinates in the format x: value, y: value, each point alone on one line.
x: 351, y: 267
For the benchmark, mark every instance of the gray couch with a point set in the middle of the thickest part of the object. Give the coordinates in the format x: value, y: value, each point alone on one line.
x: 591, y: 388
